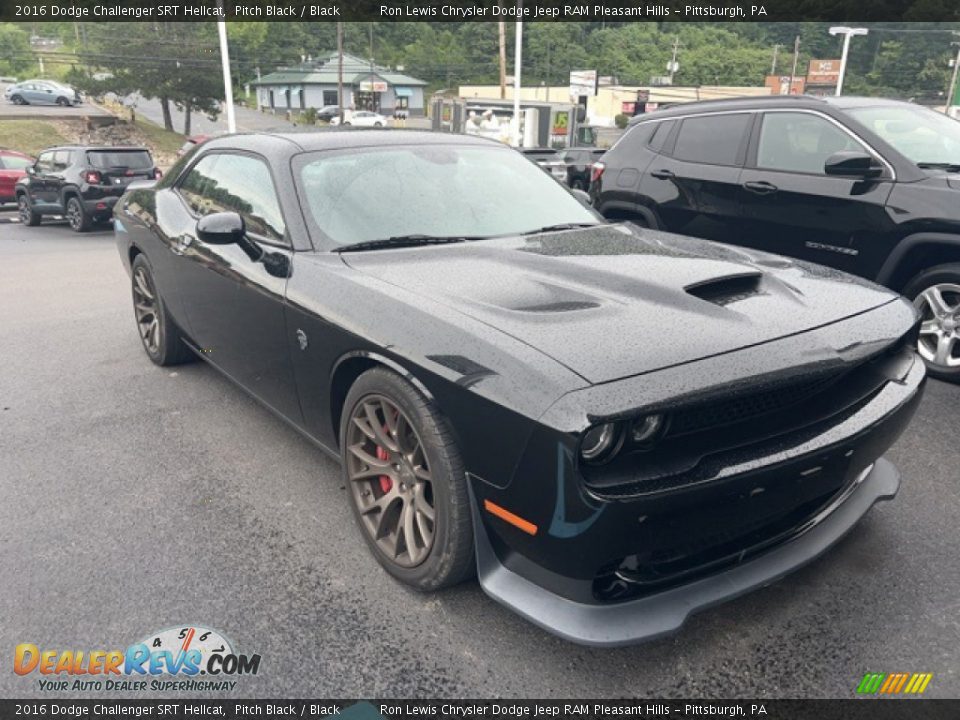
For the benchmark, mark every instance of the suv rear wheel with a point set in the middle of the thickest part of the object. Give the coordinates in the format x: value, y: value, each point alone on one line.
x: 77, y: 216
x: 936, y: 295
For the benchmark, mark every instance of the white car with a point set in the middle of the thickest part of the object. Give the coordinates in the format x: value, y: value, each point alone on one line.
x: 362, y: 118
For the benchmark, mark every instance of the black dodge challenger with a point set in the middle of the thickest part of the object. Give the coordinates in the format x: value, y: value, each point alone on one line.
x: 613, y: 427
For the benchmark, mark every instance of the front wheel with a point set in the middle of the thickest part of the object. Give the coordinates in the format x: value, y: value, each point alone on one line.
x: 406, y: 482
x: 18, y: 100
x: 27, y: 214
x: 936, y: 295
x: 63, y: 102
x: 378, y: 124
x: 160, y: 336
x: 77, y: 216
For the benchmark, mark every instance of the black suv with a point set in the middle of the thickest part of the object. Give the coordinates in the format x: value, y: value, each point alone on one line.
x: 80, y: 182
x: 865, y: 185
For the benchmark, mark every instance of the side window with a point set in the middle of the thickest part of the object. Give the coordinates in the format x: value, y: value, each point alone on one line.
x: 242, y: 184
x: 61, y: 159
x: 660, y: 135
x: 45, y: 162
x: 635, y: 140
x: 800, y: 142
x: 196, y: 182
x: 711, y: 139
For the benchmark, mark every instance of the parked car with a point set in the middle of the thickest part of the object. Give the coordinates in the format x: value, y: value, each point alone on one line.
x: 42, y: 92
x: 81, y: 182
x: 13, y: 166
x: 328, y: 112
x: 617, y: 426
x: 361, y: 118
x: 864, y: 185
x: 550, y: 160
x: 580, y: 165
x: 190, y: 143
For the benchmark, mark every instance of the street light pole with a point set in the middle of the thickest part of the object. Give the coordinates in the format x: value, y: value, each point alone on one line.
x: 227, y: 82
x: 951, y: 91
x: 517, y: 61
x: 847, y: 32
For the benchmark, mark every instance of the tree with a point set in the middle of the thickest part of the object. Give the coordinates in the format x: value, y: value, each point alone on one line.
x: 15, y: 54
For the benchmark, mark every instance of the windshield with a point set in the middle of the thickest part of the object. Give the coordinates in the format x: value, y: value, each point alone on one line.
x: 436, y: 190
x: 920, y: 134
x: 133, y: 159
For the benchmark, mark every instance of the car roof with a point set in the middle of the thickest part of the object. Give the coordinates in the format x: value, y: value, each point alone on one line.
x: 338, y: 137
x: 107, y: 148
x: 769, y: 101
x: 17, y: 153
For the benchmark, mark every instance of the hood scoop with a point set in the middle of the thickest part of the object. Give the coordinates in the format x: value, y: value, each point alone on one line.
x: 726, y: 290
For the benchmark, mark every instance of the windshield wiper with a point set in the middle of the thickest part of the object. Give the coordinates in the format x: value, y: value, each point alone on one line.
x: 400, y: 241
x: 560, y: 226
x: 949, y: 167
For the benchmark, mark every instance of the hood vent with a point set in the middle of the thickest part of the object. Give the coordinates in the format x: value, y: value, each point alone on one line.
x: 727, y: 290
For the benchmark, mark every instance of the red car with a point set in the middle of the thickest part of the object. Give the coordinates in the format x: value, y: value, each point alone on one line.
x: 13, y: 166
x: 191, y: 143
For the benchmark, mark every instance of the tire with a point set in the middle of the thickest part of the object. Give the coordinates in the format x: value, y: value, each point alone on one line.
x: 63, y: 102
x: 167, y: 346
x: 17, y: 100
x: 346, y: 123
x: 28, y: 216
x: 939, y: 343
x: 77, y: 216
x: 378, y: 124
x: 381, y: 502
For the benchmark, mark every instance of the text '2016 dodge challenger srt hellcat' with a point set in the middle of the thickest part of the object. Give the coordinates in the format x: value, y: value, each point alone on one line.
x: 612, y: 427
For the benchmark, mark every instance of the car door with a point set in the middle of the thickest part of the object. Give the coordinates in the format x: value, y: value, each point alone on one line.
x: 42, y: 193
x: 694, y: 181
x: 44, y: 94
x: 792, y: 207
x: 235, y: 306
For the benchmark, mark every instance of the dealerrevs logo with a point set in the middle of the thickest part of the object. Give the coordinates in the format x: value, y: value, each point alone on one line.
x: 182, y: 658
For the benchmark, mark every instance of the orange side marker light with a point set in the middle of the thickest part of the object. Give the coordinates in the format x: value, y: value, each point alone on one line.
x: 506, y: 515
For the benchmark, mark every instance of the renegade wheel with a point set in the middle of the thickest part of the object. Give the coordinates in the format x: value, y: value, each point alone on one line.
x: 26, y: 213
x: 406, y: 482
x: 160, y: 336
x: 936, y: 294
x: 77, y: 216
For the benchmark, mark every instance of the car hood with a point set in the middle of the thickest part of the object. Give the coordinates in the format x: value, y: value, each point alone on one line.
x: 615, y: 300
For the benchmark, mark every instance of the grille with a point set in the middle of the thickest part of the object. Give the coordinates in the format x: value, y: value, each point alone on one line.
x: 746, y: 407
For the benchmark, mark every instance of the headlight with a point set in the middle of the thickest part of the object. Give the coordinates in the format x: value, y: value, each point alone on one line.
x: 646, y: 429
x: 598, y: 442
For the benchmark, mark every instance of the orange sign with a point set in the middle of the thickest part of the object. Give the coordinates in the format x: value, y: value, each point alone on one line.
x: 823, y: 72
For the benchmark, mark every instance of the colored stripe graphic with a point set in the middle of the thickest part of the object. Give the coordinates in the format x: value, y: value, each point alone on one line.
x: 894, y: 683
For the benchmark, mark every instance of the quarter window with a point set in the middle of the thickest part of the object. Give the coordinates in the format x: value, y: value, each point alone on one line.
x: 61, y: 159
x: 711, y: 139
x: 800, y: 142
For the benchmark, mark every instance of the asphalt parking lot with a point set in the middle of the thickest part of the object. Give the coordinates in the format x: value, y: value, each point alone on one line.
x: 135, y: 498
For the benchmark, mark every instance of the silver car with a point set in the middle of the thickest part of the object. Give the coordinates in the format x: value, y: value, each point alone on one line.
x: 41, y: 92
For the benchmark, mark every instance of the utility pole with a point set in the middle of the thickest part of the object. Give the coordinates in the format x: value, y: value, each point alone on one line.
x: 517, y: 63
x: 952, y: 89
x: 796, y: 56
x: 548, y: 72
x: 847, y: 32
x: 340, y: 69
x: 773, y: 66
x: 503, y: 59
x: 673, y: 66
x: 227, y: 82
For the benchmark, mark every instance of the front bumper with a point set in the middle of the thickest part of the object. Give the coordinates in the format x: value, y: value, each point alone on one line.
x: 656, y: 615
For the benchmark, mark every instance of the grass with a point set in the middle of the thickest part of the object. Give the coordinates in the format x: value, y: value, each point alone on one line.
x: 162, y: 139
x: 29, y: 136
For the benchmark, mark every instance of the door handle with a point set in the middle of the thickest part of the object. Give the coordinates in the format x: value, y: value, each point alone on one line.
x: 663, y: 174
x: 760, y: 187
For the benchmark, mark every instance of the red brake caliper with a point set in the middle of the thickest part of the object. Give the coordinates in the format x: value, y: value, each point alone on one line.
x: 386, y: 484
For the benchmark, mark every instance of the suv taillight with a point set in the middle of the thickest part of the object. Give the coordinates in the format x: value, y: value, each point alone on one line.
x: 596, y: 171
x: 92, y: 177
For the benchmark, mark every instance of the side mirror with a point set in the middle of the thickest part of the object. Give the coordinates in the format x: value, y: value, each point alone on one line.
x: 222, y: 228
x: 850, y: 163
x: 30, y: 170
x: 228, y: 228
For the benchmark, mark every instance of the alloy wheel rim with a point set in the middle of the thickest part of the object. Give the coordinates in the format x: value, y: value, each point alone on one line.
x: 145, y: 307
x: 73, y: 214
x: 939, y: 342
x: 24, y: 209
x: 390, y: 481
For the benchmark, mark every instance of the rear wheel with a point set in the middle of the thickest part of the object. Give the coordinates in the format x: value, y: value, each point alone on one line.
x: 936, y: 295
x: 63, y: 102
x: 77, y: 216
x: 406, y: 482
x: 27, y: 214
x: 160, y: 336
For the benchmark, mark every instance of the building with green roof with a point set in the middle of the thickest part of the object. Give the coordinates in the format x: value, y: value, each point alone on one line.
x: 313, y: 84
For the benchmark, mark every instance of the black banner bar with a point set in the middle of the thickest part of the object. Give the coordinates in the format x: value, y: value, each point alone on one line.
x: 180, y: 709
x: 478, y: 10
